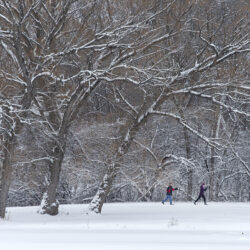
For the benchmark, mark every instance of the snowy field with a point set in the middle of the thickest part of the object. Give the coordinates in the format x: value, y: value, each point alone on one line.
x: 222, y: 226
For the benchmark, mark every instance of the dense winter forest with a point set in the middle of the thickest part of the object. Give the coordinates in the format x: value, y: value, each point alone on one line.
x: 110, y: 100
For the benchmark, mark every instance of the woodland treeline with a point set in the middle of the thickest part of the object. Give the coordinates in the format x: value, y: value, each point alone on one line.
x: 106, y: 100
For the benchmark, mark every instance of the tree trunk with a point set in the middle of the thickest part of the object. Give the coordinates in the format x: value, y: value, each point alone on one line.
x: 187, y: 147
x: 9, y: 139
x: 190, y: 171
x: 106, y: 184
x: 134, y: 125
x: 6, y: 172
x: 49, y: 204
x: 103, y: 190
x: 215, y: 134
x: 212, y: 175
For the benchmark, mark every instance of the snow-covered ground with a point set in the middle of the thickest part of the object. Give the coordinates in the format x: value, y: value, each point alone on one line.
x: 222, y: 226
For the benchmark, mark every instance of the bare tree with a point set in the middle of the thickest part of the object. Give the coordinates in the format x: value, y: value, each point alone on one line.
x: 203, y: 61
x: 16, y: 87
x: 144, y: 60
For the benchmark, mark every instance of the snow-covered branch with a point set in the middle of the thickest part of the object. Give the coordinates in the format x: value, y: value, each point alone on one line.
x: 209, y: 141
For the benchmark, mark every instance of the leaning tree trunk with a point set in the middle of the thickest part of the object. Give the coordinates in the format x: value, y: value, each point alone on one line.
x: 103, y: 190
x: 97, y: 202
x: 107, y: 181
x: 106, y: 184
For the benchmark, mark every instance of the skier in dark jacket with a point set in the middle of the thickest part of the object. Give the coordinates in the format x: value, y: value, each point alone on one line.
x: 169, y: 191
x: 201, y: 194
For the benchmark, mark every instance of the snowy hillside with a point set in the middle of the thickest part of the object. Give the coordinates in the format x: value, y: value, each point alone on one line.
x: 147, y: 226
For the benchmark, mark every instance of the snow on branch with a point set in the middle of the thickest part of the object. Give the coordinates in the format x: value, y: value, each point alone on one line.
x: 35, y: 160
x: 171, y: 158
x: 126, y: 101
x: 211, y: 45
x: 5, y: 19
x: 209, y: 141
x: 28, y: 13
x: 226, y: 178
x: 227, y: 107
x: 147, y: 149
x: 9, y: 51
x: 242, y: 161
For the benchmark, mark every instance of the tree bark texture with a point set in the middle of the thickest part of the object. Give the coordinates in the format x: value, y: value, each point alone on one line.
x: 6, y: 172
x: 49, y: 204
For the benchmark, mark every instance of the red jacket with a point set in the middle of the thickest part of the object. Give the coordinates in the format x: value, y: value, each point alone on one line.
x: 170, y: 189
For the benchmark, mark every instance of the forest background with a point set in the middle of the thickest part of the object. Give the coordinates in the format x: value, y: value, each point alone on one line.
x: 104, y: 101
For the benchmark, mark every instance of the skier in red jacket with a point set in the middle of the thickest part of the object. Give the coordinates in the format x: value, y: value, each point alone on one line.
x: 169, y: 191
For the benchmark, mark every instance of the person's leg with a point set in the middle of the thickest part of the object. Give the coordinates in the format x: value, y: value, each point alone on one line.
x: 166, y: 198
x: 204, y: 198
x: 170, y: 199
x: 197, y: 199
x: 163, y: 200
